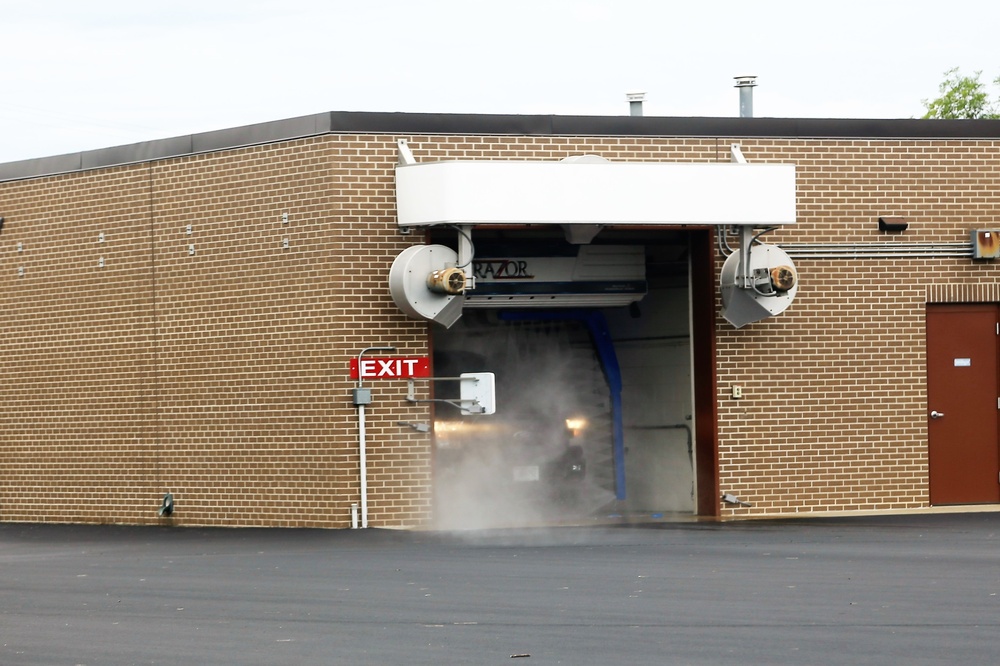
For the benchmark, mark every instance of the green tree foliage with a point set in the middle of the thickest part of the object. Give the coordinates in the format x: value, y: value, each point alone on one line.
x: 962, y: 97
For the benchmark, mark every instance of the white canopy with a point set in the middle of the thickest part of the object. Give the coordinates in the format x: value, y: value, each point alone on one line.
x: 594, y: 193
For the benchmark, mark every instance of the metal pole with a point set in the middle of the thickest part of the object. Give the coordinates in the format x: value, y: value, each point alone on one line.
x: 364, y: 466
x: 362, y: 452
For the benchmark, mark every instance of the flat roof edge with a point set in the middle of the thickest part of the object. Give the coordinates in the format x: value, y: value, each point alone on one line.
x: 344, y: 122
x: 159, y: 149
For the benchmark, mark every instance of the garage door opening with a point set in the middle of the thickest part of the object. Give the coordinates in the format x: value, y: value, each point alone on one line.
x: 594, y: 403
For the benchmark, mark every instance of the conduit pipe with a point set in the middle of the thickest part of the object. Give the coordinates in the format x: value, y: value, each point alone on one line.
x: 876, y: 250
x: 362, y: 398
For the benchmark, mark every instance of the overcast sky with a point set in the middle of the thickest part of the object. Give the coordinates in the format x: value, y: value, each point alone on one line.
x: 82, y: 75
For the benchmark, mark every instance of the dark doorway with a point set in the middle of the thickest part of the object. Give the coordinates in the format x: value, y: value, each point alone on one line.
x: 558, y: 448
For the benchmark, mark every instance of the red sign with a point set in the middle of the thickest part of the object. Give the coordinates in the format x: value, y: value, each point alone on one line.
x: 399, y: 367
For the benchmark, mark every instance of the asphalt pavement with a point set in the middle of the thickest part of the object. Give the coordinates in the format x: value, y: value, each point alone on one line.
x: 915, y: 589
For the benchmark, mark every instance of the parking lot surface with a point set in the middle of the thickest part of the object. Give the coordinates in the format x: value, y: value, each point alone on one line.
x: 916, y: 589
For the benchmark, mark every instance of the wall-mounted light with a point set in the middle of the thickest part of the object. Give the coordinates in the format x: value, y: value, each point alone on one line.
x: 892, y: 224
x: 167, y: 505
x: 729, y: 498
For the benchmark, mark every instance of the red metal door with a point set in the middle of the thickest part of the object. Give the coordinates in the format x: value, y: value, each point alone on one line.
x: 962, y: 403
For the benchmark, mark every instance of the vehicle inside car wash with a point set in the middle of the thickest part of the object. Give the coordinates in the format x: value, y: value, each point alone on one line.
x: 585, y: 290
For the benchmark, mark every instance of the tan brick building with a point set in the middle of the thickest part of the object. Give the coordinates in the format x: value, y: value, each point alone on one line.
x: 180, y: 316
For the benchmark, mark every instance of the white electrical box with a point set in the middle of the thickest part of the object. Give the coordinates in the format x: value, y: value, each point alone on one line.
x: 478, y: 393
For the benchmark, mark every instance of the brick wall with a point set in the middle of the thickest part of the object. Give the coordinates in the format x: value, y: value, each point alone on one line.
x: 222, y: 376
x: 834, y: 410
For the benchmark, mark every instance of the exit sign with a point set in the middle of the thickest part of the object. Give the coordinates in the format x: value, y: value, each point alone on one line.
x: 398, y: 367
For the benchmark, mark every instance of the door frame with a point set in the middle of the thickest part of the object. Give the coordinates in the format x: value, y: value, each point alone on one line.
x: 956, y: 440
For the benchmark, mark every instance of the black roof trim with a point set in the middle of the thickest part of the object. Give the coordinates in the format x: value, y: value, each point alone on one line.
x: 344, y: 122
x: 797, y: 128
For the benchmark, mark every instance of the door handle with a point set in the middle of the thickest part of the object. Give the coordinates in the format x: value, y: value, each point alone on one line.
x: 936, y: 414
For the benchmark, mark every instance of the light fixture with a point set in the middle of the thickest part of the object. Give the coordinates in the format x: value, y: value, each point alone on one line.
x: 167, y: 506
x: 729, y: 498
x: 892, y: 224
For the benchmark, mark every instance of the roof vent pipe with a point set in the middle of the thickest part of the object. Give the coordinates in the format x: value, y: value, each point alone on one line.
x: 635, y: 102
x: 746, y: 84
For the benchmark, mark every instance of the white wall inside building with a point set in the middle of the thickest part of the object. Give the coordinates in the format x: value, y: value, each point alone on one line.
x: 654, y: 353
